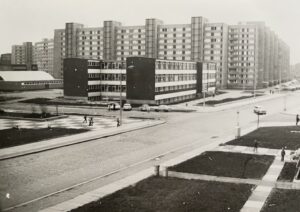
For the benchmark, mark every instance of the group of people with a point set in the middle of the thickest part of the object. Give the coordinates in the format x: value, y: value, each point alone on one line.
x: 282, y: 150
x: 91, y: 120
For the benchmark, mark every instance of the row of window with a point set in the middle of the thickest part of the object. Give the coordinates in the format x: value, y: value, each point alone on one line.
x: 174, y: 52
x: 208, y: 76
x: 241, y: 64
x: 174, y: 29
x: 175, y: 99
x: 174, y: 88
x: 131, y: 30
x: 106, y: 77
x: 169, y: 65
x: 174, y: 77
x: 106, y: 88
x: 42, y: 82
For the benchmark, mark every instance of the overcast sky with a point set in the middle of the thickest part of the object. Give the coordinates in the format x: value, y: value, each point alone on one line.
x: 32, y: 20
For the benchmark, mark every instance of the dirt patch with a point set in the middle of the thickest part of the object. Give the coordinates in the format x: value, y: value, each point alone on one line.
x: 271, y: 137
x: 288, y: 172
x: 227, y: 164
x: 282, y: 200
x: 174, y: 195
x: 15, y: 137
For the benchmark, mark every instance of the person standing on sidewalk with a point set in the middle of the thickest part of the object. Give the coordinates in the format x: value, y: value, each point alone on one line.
x: 297, y: 119
x: 282, y: 154
x: 118, y: 122
x: 255, y: 145
x: 85, y: 119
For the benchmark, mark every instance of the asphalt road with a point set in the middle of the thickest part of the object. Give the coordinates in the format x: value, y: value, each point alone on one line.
x: 32, y: 176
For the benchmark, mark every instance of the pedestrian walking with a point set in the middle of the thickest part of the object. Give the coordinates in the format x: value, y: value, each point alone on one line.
x: 297, y: 119
x: 118, y: 122
x: 91, y: 121
x: 282, y: 154
x: 255, y: 145
x: 84, y: 119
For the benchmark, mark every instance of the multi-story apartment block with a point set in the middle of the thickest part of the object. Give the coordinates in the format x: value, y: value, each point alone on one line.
x: 248, y: 55
x: 130, y: 42
x: 175, y: 42
x: 5, y: 59
x: 216, y: 48
x: 256, y: 56
x: 43, y: 55
x: 116, y: 42
x: 139, y: 80
x: 242, y: 56
x: 22, y: 54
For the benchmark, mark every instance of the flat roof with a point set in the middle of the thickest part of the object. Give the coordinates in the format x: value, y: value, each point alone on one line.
x: 20, y: 76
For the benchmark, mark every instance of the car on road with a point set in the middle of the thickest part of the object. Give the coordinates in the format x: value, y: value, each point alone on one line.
x: 114, y: 106
x: 127, y: 107
x: 259, y: 110
x: 164, y: 108
x: 145, y: 107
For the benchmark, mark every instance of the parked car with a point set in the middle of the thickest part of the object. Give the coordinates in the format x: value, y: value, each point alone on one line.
x: 127, y: 106
x: 259, y: 110
x: 113, y: 106
x: 145, y: 107
x: 164, y: 108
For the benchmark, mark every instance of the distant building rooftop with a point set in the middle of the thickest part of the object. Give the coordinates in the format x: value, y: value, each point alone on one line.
x: 19, y: 76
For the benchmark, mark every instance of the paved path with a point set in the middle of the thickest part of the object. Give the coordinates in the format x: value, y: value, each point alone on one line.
x: 72, y: 121
x: 102, y: 127
x: 254, y: 203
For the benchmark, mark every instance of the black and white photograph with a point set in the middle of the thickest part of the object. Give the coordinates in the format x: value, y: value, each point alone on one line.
x: 149, y: 106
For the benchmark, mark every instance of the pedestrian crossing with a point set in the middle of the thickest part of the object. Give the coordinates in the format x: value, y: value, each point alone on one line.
x: 73, y: 121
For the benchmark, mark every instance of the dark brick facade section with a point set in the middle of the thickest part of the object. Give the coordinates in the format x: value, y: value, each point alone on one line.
x: 199, y: 67
x: 75, y: 77
x: 140, y: 81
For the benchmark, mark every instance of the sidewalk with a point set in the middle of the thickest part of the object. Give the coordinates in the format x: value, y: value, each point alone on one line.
x: 26, y: 149
x: 232, y: 94
x: 254, y: 203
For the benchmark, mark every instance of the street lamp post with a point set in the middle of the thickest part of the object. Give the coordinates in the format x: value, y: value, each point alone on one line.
x: 284, y: 108
x: 204, y: 98
x: 238, y: 132
x: 254, y: 83
x: 120, y: 121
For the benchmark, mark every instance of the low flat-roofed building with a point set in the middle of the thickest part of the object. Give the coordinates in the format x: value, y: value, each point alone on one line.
x: 144, y: 80
x: 27, y: 80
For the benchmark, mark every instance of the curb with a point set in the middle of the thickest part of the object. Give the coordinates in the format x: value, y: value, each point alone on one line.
x: 15, y: 154
x: 230, y: 105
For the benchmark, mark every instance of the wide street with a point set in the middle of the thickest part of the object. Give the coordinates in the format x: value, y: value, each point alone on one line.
x: 29, y: 177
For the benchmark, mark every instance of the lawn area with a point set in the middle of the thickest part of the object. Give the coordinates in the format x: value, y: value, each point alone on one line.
x: 15, y: 137
x: 288, y: 172
x: 215, y: 102
x: 174, y: 195
x: 271, y: 137
x: 28, y: 115
x: 7, y: 98
x: 61, y: 101
x: 227, y: 164
x: 283, y: 200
